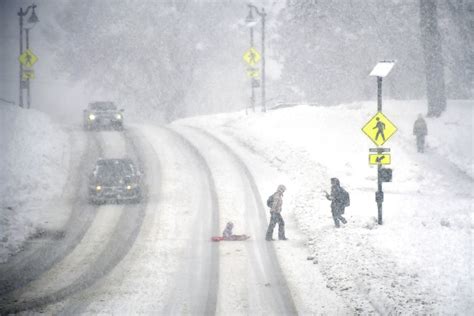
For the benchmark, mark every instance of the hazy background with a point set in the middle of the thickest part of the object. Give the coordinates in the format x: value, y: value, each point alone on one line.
x: 166, y: 59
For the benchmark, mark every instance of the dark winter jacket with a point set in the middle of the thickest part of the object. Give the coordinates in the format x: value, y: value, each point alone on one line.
x: 420, y: 128
x: 337, y: 197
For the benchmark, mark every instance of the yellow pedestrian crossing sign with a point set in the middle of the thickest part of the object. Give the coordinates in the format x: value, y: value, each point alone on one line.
x: 252, y: 56
x: 380, y: 159
x: 28, y: 74
x: 253, y: 72
x: 27, y: 58
x: 379, y: 129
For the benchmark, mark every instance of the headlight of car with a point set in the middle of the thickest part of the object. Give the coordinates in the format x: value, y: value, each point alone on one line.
x: 132, y: 186
x: 98, y: 188
x: 91, y: 117
x: 118, y: 116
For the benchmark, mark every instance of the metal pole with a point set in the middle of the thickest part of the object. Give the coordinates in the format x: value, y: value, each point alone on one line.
x: 379, y: 94
x: 264, y: 107
x: 28, y: 94
x: 20, y: 90
x: 252, y: 97
x: 379, y: 194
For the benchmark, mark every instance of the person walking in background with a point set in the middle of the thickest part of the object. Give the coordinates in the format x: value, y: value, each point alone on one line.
x: 339, y: 200
x: 420, y: 130
x: 275, y: 202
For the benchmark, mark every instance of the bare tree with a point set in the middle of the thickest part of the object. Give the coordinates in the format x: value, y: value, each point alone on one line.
x: 432, y: 53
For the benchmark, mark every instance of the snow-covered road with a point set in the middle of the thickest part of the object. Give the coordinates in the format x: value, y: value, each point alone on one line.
x: 93, y: 241
x: 157, y: 257
x: 251, y: 280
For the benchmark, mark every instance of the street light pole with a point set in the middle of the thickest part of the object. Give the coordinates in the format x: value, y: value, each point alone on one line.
x: 20, y: 99
x: 381, y: 70
x: 264, y: 106
x: 33, y: 19
x: 252, y: 86
x: 262, y: 15
x: 28, y: 93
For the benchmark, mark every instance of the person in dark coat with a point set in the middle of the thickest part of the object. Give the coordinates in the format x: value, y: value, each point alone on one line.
x: 420, y: 130
x: 338, y: 203
x: 275, y: 215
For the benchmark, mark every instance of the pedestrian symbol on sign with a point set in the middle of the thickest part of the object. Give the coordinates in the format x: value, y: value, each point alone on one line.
x: 380, y: 126
x: 27, y: 58
x: 252, y: 56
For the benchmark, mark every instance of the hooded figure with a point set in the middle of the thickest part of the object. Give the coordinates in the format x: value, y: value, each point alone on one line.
x: 420, y: 130
x: 227, y: 233
x: 338, y: 201
x: 275, y: 214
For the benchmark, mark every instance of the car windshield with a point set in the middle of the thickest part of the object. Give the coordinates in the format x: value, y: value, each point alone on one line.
x: 103, y: 106
x: 113, y: 171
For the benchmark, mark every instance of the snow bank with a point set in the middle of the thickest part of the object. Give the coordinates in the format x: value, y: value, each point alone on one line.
x: 420, y: 260
x: 33, y: 168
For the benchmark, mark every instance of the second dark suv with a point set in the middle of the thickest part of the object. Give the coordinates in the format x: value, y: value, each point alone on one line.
x: 103, y: 115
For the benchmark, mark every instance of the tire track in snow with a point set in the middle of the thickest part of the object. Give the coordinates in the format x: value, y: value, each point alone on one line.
x: 264, y: 262
x: 38, y: 258
x: 203, y: 266
x: 120, y: 242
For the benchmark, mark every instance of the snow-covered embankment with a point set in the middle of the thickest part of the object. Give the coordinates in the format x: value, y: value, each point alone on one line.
x: 34, y: 163
x: 420, y: 261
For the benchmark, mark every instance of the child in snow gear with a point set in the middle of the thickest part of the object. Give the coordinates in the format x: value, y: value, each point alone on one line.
x: 339, y: 200
x: 420, y: 130
x: 276, y: 201
x: 227, y: 233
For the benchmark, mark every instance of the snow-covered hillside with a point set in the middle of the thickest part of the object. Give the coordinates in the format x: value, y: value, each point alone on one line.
x: 33, y: 170
x: 420, y: 260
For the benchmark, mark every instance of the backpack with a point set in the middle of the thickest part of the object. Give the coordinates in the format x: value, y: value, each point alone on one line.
x: 346, y: 198
x: 270, y: 201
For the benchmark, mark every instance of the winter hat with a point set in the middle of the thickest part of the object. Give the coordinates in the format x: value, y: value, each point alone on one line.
x: 281, y: 188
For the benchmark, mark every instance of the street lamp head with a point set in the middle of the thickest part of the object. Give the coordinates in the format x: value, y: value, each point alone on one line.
x: 33, y: 19
x: 250, y: 21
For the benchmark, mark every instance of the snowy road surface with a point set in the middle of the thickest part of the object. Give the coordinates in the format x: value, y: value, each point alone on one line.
x: 155, y: 257
x: 94, y: 241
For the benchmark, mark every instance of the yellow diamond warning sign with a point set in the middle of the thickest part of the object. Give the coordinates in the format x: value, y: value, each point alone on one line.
x: 252, y: 56
x: 379, y: 129
x: 27, y: 58
x: 380, y: 159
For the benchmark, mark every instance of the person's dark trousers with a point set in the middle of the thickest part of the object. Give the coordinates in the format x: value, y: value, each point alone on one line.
x: 420, y: 143
x: 337, y: 216
x: 274, y: 219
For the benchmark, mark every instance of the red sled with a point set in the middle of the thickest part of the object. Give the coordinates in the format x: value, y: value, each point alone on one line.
x: 233, y: 238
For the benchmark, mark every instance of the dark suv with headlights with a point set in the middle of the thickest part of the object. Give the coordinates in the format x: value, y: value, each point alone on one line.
x: 115, y: 180
x: 99, y: 115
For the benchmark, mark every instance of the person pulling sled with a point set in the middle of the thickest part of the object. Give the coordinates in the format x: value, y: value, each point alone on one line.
x: 275, y: 202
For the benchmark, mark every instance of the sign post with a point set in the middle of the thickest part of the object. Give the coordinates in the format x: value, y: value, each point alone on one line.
x: 379, y: 129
